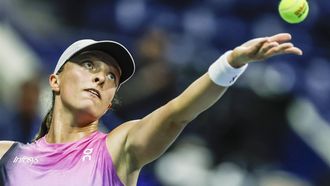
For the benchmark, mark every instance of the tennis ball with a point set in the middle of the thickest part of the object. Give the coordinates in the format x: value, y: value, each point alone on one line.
x: 293, y: 11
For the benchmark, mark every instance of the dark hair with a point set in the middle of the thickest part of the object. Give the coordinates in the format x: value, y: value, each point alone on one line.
x: 46, y: 122
x: 45, y: 125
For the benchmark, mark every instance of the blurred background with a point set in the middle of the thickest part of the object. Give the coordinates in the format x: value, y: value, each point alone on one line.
x: 272, y: 128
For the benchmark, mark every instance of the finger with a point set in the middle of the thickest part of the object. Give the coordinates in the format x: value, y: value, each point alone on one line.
x: 267, y: 46
x: 285, y: 48
x: 279, y: 49
x: 280, y: 38
x: 255, y: 41
x: 256, y: 47
x: 294, y: 50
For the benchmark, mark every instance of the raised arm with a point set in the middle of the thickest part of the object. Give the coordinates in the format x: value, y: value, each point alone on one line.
x: 149, y: 137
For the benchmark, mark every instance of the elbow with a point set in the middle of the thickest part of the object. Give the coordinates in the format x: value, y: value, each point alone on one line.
x: 181, y: 114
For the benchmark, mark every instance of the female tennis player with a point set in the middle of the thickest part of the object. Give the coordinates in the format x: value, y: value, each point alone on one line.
x: 69, y: 149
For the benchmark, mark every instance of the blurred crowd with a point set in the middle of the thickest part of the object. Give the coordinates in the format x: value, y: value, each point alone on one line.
x: 271, y: 128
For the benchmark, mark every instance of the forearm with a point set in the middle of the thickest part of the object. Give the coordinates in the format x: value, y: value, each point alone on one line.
x: 208, y: 89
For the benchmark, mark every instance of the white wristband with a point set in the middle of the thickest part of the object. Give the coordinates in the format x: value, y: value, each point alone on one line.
x: 222, y: 73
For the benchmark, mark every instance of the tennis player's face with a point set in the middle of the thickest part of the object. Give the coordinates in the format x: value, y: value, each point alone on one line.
x: 88, y: 84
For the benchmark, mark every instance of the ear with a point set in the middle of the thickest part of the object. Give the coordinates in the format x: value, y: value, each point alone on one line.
x: 54, y: 82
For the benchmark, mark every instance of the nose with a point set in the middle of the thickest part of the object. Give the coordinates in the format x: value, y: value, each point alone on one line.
x: 99, y: 78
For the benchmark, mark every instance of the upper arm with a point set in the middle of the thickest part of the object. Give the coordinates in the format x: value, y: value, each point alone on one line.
x: 5, y: 146
x: 136, y: 143
x: 152, y: 135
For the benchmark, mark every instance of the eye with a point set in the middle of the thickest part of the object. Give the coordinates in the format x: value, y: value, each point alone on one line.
x: 111, y: 76
x: 88, y: 65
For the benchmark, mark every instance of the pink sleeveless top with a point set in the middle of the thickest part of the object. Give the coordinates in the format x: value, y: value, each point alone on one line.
x: 86, y: 162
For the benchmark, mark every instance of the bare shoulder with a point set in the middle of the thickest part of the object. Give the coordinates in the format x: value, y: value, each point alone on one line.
x: 116, y: 139
x: 4, y: 147
x: 123, y: 128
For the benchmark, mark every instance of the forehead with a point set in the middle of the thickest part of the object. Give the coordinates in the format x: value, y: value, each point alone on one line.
x: 97, y: 55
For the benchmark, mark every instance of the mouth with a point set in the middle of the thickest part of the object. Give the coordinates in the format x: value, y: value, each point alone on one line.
x: 94, y: 92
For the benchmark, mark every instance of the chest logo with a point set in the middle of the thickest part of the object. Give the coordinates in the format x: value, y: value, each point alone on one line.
x: 25, y: 160
x: 87, y: 154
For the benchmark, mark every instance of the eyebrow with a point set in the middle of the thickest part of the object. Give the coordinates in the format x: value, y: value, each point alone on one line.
x: 104, y: 57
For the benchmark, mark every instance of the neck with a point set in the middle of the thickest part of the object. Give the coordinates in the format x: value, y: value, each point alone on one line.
x: 67, y: 126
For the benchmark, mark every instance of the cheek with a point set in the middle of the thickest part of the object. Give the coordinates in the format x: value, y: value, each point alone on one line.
x: 109, y: 95
x: 73, y: 84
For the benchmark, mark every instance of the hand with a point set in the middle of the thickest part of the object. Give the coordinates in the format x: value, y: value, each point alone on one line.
x: 262, y: 48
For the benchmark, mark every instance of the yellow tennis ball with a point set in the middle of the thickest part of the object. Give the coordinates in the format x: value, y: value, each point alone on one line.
x: 293, y: 11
